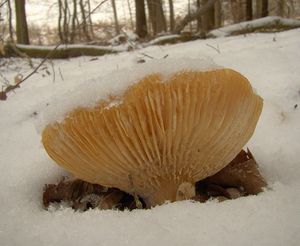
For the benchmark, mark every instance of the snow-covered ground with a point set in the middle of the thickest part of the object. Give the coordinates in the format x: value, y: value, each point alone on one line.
x: 270, y: 61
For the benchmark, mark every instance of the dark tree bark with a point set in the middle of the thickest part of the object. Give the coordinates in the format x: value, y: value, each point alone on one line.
x: 157, y: 16
x: 249, y: 14
x: 140, y: 19
x: 172, y: 18
x: 208, y: 18
x: 264, y: 8
x: 21, y: 22
x: 117, y: 28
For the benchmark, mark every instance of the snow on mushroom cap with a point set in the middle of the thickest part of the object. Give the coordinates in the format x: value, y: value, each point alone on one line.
x: 115, y: 83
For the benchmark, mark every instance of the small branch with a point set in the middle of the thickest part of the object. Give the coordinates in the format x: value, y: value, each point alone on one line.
x: 216, y: 49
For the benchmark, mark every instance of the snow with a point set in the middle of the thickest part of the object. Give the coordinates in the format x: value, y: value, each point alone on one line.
x: 257, y: 23
x: 269, y: 61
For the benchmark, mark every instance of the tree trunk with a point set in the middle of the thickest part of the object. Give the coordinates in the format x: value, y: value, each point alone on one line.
x: 280, y: 8
x: 249, y: 15
x: 90, y: 25
x: 264, y: 8
x: 199, y: 21
x: 237, y: 10
x: 157, y: 16
x: 74, y: 16
x: 140, y: 19
x: 84, y: 21
x: 130, y: 14
x: 208, y: 19
x: 172, y: 18
x: 117, y: 28
x: 21, y: 22
x: 10, y: 26
x: 218, y: 14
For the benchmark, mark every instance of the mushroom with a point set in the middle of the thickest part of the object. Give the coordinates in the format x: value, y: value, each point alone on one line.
x: 165, y: 135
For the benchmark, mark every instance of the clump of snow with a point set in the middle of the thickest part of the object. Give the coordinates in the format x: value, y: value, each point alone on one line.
x: 269, y: 61
x: 89, y: 92
x: 253, y: 24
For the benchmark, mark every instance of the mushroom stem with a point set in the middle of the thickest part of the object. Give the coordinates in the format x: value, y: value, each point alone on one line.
x: 171, y: 192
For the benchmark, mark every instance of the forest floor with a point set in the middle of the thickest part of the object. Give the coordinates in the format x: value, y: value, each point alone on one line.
x: 270, y: 61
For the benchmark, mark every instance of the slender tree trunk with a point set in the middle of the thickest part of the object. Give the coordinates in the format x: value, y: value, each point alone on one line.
x: 66, y: 24
x: 130, y: 14
x: 172, y: 18
x: 90, y: 25
x: 264, y: 8
x: 21, y: 22
x: 140, y: 19
x: 218, y: 14
x: 280, y: 8
x: 84, y: 23
x: 157, y: 16
x: 199, y: 19
x: 208, y: 19
x: 60, y: 10
x: 117, y: 28
x: 10, y: 26
x: 258, y: 8
x: 249, y: 15
x: 74, y: 16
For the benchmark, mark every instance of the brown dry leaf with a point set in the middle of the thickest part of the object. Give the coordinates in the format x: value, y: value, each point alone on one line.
x: 242, y: 173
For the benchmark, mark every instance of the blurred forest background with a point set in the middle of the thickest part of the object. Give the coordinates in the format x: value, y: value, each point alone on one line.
x: 115, y: 21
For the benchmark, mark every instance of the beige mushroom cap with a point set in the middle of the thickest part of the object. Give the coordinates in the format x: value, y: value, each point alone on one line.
x: 164, y: 133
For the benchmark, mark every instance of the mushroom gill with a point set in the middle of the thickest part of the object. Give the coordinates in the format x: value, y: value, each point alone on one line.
x: 165, y: 133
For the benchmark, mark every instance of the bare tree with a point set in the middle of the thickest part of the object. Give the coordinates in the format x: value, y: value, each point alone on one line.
x: 208, y: 18
x: 140, y: 19
x: 130, y: 14
x: 117, y: 28
x: 249, y: 14
x: 264, y: 8
x: 218, y: 13
x: 236, y: 10
x: 172, y: 18
x: 90, y: 22
x: 74, y: 17
x: 10, y: 26
x: 157, y: 16
x: 21, y: 22
x: 84, y: 21
x: 280, y: 7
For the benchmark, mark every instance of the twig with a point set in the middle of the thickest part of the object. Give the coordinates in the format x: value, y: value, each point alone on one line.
x: 216, y: 49
x: 60, y: 73
x: 3, y: 3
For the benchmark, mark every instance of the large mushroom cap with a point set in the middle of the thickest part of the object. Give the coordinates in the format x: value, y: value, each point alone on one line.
x: 165, y: 132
